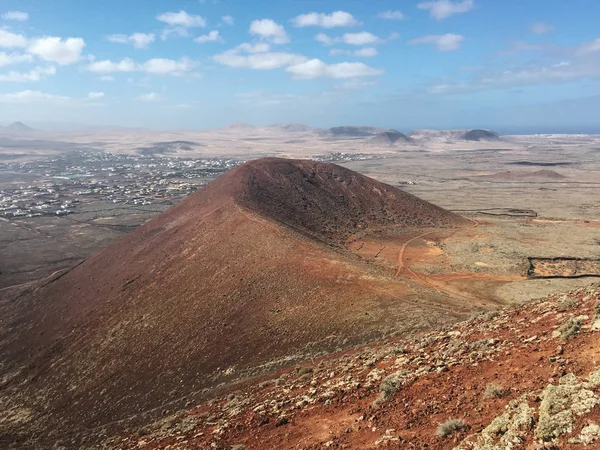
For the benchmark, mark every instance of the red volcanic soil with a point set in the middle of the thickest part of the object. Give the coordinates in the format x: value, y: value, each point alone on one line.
x: 515, y: 379
x: 245, y: 275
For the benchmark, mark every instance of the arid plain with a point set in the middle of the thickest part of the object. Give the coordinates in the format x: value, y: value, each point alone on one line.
x: 376, y: 264
x: 533, y: 196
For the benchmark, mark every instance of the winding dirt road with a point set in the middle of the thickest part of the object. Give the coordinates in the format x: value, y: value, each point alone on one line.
x: 442, y: 289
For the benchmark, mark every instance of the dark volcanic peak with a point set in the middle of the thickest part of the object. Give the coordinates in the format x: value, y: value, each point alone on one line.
x: 295, y: 127
x: 351, y: 131
x: 389, y: 138
x: 328, y: 201
x: 17, y: 128
x: 481, y: 135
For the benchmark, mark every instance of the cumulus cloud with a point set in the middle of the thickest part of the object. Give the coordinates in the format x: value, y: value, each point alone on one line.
x: 29, y: 96
x: 361, y: 38
x: 19, y: 16
x: 12, y: 40
x: 442, y: 9
x: 95, y: 95
x: 391, y: 15
x: 443, y: 42
x: 365, y: 52
x: 335, y: 19
x: 256, y: 47
x: 587, y: 48
x: 165, y: 66
x: 213, y: 36
x: 150, y: 97
x: 107, y: 66
x: 139, y: 40
x: 182, y: 19
x: 228, y: 20
x: 269, y: 30
x: 179, y: 23
x: 315, y: 68
x: 155, y: 66
x: 55, y: 49
x: 35, y: 74
x: 7, y: 59
x: 541, y: 28
x: 257, y: 60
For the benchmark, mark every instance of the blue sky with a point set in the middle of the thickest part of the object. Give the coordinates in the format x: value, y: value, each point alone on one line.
x: 202, y: 64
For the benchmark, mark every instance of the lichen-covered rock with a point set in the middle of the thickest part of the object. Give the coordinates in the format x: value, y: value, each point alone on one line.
x: 561, y: 404
x: 506, y: 431
x: 589, y: 434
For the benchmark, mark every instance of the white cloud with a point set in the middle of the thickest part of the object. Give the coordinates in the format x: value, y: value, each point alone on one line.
x: 257, y: 61
x: 156, y: 66
x: 442, y: 9
x: 213, y: 36
x: 35, y: 74
x: 164, y: 66
x: 182, y: 19
x: 257, y: 47
x: 443, y: 42
x: 361, y: 38
x: 107, y: 66
x: 7, y: 59
x: 366, y: 52
x: 139, y: 40
x: 269, y: 30
x: 150, y: 97
x: 541, y: 28
x: 107, y: 78
x: 228, y: 20
x: 391, y: 15
x: 19, y: 16
x: 95, y: 95
x: 324, y: 39
x: 179, y: 23
x: 56, y: 50
x: 12, y: 40
x: 30, y: 97
x: 587, y: 48
x: 335, y: 19
x: 316, y: 68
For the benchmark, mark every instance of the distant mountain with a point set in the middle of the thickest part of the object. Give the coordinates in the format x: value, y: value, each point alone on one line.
x: 16, y: 128
x: 389, y: 139
x: 351, y: 131
x: 449, y: 136
x: 436, y: 135
x: 481, y: 135
x: 294, y: 127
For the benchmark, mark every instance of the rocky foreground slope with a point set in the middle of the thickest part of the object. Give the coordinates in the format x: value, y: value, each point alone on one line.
x: 523, y: 378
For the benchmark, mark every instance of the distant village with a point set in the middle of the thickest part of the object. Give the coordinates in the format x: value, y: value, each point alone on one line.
x: 60, y: 185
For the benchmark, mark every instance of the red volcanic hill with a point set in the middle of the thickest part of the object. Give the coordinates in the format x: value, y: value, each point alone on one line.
x: 241, y: 277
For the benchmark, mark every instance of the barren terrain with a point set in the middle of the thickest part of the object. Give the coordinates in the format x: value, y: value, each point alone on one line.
x: 352, y: 279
